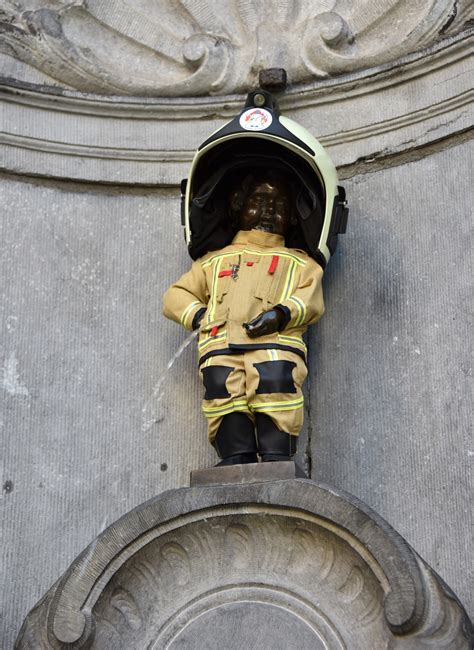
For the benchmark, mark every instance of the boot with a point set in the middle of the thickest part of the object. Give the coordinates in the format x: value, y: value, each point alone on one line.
x: 238, y: 459
x: 235, y: 440
x: 273, y: 444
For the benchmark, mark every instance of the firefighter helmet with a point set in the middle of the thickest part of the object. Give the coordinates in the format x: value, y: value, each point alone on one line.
x: 261, y: 138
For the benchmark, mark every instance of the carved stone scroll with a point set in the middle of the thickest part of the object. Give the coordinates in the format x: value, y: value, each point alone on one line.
x: 249, y: 565
x: 197, y: 47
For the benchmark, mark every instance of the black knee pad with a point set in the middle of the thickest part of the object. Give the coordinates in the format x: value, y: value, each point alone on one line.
x: 273, y: 444
x: 275, y: 377
x: 214, y: 379
x: 235, y: 436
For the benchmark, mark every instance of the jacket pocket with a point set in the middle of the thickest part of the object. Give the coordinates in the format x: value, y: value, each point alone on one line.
x: 223, y: 288
x: 228, y: 270
x: 212, y: 333
x: 218, y: 323
x: 269, y: 281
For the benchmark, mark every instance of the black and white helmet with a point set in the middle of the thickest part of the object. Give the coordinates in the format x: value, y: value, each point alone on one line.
x: 260, y: 138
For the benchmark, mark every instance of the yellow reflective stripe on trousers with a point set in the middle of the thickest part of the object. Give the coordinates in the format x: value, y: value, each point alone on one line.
x: 287, y: 405
x: 187, y: 311
x: 236, y: 405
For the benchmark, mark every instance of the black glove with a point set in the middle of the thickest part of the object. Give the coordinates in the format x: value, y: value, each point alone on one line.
x: 267, y: 322
x: 198, y: 316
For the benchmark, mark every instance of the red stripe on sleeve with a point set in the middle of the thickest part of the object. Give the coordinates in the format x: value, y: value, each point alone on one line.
x: 214, y: 330
x: 223, y: 274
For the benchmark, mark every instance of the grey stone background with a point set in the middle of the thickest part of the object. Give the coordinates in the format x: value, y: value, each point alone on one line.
x: 84, y: 346
x: 391, y: 391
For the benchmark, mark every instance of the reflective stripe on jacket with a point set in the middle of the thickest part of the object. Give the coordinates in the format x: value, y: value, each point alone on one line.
x: 253, y: 274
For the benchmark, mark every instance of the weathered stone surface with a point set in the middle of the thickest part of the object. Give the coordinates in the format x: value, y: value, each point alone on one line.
x: 273, y: 564
x: 362, y: 118
x: 250, y: 473
x: 86, y: 434
x: 193, y: 47
x: 391, y: 382
x: 274, y: 80
x: 85, y: 437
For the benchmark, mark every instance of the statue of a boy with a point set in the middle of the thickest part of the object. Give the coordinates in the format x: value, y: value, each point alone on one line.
x: 252, y: 301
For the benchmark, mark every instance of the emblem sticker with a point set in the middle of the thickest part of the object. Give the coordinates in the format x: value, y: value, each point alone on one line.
x: 255, y: 119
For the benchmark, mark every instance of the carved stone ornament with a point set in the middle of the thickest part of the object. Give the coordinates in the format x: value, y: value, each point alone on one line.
x: 269, y: 564
x: 362, y: 118
x: 198, y: 47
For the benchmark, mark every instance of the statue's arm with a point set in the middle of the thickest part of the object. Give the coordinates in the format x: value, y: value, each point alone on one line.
x: 186, y: 297
x: 305, y: 306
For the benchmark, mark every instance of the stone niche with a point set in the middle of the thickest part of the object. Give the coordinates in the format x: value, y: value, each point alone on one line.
x: 245, y: 562
x: 103, y: 106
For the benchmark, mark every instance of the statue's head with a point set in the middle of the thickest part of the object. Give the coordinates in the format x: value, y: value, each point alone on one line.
x: 262, y: 201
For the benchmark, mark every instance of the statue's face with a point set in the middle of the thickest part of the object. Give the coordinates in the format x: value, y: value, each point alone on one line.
x: 268, y: 208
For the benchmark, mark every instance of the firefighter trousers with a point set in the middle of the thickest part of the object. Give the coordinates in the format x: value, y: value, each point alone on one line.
x: 251, y: 382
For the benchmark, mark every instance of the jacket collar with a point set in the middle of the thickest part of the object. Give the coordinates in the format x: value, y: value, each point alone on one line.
x: 258, y: 237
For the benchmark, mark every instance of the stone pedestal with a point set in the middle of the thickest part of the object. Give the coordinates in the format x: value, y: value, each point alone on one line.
x: 256, y: 561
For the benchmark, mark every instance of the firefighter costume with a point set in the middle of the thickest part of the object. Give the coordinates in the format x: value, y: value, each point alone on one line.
x: 251, y: 376
x: 253, y: 371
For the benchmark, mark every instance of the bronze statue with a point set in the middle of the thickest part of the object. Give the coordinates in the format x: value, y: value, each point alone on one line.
x: 252, y: 301
x: 261, y: 211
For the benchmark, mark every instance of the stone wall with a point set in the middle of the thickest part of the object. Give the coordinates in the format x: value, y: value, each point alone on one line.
x: 90, y: 238
x: 84, y: 347
x: 391, y: 394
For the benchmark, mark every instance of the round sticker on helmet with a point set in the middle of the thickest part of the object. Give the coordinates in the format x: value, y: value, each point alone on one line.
x: 256, y: 119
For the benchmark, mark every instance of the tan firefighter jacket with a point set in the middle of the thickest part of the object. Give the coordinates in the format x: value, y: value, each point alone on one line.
x: 253, y: 274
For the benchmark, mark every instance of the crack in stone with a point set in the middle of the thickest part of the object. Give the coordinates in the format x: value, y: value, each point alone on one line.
x: 307, y: 457
x: 450, y: 18
x: 385, y: 160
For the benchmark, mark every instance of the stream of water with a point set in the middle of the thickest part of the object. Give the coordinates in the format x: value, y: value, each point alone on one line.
x: 152, y: 410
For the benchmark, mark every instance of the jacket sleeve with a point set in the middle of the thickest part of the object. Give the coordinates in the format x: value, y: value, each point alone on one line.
x: 186, y: 297
x: 305, y: 305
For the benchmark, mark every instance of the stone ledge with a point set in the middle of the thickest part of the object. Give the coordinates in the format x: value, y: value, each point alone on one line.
x: 250, y: 473
x: 336, y: 572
